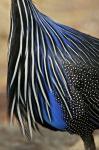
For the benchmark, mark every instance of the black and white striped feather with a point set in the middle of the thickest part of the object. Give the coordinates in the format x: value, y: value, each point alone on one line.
x: 39, y: 51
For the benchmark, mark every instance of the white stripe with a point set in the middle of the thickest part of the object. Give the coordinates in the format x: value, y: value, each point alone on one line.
x: 20, y: 119
x: 42, y: 89
x: 29, y: 122
x: 44, y: 94
x: 11, y: 33
x: 20, y: 49
x: 45, y: 67
x: 26, y: 50
x: 62, y: 98
x: 19, y: 80
x: 63, y: 79
x: 36, y: 99
x: 26, y: 77
x: 56, y: 76
x: 21, y: 98
x: 12, y: 110
x: 62, y: 55
x: 32, y: 75
x: 38, y: 49
x: 30, y: 105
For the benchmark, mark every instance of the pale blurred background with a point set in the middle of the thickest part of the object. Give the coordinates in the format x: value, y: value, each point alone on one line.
x: 80, y: 14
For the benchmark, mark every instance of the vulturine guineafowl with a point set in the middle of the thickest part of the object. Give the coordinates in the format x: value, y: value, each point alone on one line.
x: 53, y: 74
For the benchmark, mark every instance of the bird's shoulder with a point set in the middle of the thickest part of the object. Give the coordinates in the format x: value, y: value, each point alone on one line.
x: 70, y: 44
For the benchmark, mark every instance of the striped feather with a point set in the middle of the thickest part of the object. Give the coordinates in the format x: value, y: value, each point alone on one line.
x: 42, y: 43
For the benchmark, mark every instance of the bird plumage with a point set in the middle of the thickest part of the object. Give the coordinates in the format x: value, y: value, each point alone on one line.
x: 53, y: 73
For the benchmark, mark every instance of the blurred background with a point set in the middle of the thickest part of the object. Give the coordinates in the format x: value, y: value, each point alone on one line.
x: 80, y: 14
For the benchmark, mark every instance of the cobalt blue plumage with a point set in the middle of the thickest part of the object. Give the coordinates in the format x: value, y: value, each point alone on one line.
x: 53, y: 74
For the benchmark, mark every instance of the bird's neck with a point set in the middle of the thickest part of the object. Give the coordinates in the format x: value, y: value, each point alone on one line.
x: 23, y: 20
x: 20, y: 8
x: 14, y: 2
